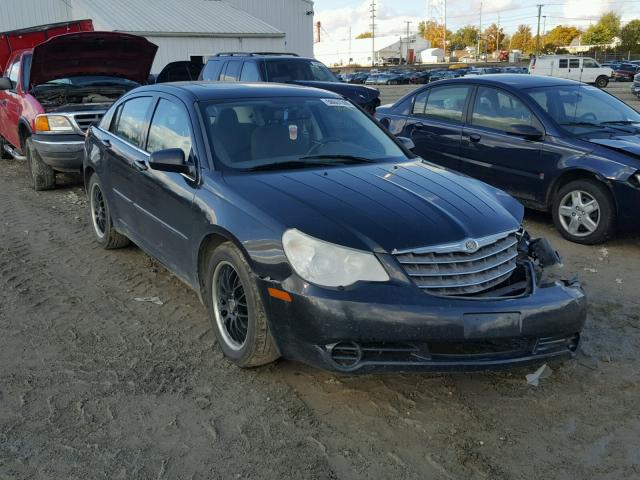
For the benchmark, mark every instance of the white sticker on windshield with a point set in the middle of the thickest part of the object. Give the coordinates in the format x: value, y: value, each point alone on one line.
x: 337, y: 102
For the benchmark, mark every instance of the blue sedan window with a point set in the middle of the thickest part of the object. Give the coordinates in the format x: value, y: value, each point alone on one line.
x: 499, y: 110
x: 447, y: 103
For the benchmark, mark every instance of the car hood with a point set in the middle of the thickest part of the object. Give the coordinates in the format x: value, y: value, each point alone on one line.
x: 356, y: 93
x: 629, y: 144
x: 93, y: 53
x: 382, y: 207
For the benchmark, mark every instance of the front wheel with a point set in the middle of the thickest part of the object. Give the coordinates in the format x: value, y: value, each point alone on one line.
x: 236, y: 309
x: 602, y: 81
x: 583, y: 212
x: 42, y: 175
x: 101, y: 221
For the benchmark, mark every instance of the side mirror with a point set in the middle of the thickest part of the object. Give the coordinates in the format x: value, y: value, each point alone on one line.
x: 170, y: 160
x: 407, y: 143
x: 5, y: 84
x: 525, y: 131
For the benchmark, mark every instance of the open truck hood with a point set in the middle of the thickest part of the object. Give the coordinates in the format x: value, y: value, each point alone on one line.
x: 93, y: 53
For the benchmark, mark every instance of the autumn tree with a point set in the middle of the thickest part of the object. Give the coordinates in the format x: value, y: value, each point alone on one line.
x: 364, y: 35
x: 522, y: 39
x: 493, y: 38
x: 466, y: 36
x: 604, y: 31
x: 560, y: 36
x: 433, y: 31
x: 630, y: 36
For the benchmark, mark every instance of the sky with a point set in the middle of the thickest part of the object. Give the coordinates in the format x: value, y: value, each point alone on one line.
x: 338, y: 16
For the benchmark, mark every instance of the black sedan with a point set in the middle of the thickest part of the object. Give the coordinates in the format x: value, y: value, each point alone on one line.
x: 311, y: 233
x: 555, y: 144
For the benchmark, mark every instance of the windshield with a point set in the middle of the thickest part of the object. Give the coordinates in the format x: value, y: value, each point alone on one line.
x: 295, y: 132
x: 579, y: 109
x: 289, y: 70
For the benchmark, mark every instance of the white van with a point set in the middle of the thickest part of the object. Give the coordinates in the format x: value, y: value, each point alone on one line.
x: 581, y: 69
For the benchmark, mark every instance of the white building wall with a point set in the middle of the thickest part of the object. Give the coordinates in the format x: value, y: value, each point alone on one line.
x: 289, y: 16
x: 15, y: 14
x: 171, y: 49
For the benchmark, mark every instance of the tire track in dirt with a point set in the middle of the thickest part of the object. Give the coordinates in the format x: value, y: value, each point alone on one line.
x: 94, y: 385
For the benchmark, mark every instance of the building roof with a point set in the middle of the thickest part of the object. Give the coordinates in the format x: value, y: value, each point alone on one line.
x: 211, y: 18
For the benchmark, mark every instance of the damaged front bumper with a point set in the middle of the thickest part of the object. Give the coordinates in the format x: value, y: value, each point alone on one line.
x: 63, y: 153
x: 395, y: 326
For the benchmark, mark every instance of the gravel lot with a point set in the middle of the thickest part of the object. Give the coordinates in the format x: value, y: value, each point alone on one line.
x: 96, y: 385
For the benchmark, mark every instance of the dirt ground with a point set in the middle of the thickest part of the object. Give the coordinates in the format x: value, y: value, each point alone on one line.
x: 96, y: 385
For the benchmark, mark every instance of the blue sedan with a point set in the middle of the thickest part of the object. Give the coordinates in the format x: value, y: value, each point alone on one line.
x: 313, y: 234
x: 556, y: 145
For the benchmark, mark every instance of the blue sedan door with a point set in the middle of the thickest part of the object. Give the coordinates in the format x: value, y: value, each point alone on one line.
x: 504, y: 160
x: 164, y: 200
x: 435, y: 123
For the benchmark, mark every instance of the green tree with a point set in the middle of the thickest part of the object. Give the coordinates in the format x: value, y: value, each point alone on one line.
x: 466, y: 36
x: 602, y: 32
x: 364, y: 35
x: 630, y: 36
x: 523, y: 39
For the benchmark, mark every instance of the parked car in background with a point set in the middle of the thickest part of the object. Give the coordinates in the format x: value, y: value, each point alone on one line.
x: 53, y: 92
x: 635, y: 88
x: 555, y: 144
x: 624, y: 72
x: 311, y: 233
x: 443, y: 75
x: 358, y: 78
x: 420, y: 77
x: 285, y: 68
x: 581, y: 69
x: 372, y: 79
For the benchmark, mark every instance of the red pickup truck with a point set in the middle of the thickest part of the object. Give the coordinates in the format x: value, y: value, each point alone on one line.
x: 56, y: 85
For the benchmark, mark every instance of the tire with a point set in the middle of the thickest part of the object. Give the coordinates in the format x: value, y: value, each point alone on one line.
x: 241, y: 327
x: 4, y: 155
x: 42, y: 175
x: 574, y: 215
x: 100, y: 216
x: 602, y: 81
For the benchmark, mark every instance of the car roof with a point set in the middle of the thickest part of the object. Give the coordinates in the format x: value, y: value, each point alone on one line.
x: 204, y: 91
x: 517, y: 81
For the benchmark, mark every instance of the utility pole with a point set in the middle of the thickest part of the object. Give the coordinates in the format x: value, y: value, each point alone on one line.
x: 479, y: 32
x: 498, y: 37
x: 408, y: 42
x: 350, y: 45
x: 538, y: 34
x: 544, y: 26
x: 373, y: 32
x: 444, y: 26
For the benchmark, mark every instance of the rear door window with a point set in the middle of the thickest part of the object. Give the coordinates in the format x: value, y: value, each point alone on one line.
x: 250, y: 72
x: 563, y: 63
x: 170, y: 128
x: 232, y: 72
x: 447, y: 102
x: 131, y: 119
x: 574, y: 63
x: 211, y: 70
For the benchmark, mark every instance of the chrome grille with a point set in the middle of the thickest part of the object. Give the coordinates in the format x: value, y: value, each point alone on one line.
x: 451, y: 270
x: 85, y: 120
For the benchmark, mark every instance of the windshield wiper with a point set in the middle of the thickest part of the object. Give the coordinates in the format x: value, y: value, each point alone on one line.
x: 341, y: 158
x: 289, y: 164
x: 621, y: 122
x: 580, y: 124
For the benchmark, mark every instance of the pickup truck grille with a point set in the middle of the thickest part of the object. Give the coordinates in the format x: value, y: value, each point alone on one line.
x: 454, y: 270
x: 85, y: 120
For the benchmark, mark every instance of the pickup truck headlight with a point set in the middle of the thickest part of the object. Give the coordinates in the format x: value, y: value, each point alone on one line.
x: 330, y: 265
x: 53, y: 124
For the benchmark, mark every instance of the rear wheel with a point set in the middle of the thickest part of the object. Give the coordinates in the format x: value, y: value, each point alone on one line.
x: 236, y: 310
x: 42, y: 175
x: 583, y: 212
x: 602, y: 81
x: 101, y: 221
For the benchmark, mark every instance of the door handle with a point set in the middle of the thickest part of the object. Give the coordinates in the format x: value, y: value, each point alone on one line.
x: 140, y: 165
x: 106, y: 142
x: 474, y: 137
